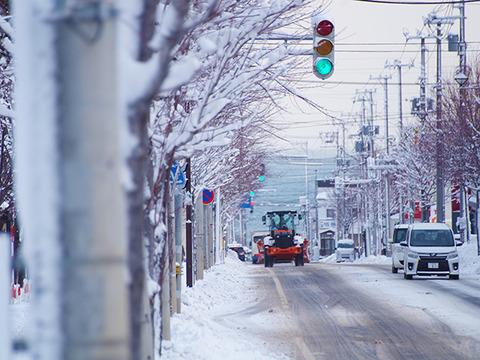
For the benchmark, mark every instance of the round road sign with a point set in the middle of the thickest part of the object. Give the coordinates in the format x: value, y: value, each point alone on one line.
x: 207, y: 196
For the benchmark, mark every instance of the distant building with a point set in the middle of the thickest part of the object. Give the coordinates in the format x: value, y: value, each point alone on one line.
x: 326, y: 217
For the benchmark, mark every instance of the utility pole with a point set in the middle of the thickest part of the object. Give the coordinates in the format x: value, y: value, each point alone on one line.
x: 95, y: 310
x: 439, y: 170
x: 385, y: 78
x: 307, y: 204
x: 440, y: 191
x: 461, y: 77
x: 363, y: 174
x: 368, y: 131
x: 398, y: 65
x: 423, y: 111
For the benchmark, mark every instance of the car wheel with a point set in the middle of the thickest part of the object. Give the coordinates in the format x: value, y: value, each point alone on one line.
x: 408, y: 277
x: 454, y: 277
x: 394, y: 269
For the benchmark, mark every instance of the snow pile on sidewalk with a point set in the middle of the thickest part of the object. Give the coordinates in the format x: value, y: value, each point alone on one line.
x: 469, y: 259
x: 225, y: 290
x: 372, y: 259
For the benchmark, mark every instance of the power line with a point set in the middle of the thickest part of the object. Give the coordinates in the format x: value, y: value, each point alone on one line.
x: 418, y: 2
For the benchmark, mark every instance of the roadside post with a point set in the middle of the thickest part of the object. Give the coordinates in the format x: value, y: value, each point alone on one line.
x: 5, y: 341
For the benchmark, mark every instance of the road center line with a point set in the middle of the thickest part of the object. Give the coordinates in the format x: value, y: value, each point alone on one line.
x: 305, y: 351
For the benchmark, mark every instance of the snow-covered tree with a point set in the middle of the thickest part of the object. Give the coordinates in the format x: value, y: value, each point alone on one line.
x: 227, y: 76
x: 6, y: 104
x: 193, y: 75
x: 415, y: 157
x: 462, y: 132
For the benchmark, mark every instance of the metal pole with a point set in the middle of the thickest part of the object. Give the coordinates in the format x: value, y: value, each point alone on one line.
x: 440, y: 191
x: 5, y: 263
x: 178, y: 250
x: 463, y: 69
x: 188, y: 225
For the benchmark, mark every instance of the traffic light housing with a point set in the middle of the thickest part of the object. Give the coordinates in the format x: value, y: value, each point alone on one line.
x: 261, y: 177
x: 323, y: 45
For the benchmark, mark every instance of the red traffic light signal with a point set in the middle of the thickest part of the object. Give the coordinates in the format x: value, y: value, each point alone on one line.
x: 323, y: 45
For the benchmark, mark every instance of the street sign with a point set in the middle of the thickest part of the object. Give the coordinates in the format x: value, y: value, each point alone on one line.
x: 246, y: 202
x: 208, y: 196
x: 179, y: 179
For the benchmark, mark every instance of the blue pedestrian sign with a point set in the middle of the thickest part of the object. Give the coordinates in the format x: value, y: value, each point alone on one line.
x: 177, y: 176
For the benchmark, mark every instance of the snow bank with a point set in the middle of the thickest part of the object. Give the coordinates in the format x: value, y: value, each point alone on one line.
x: 197, y: 333
x: 372, y: 259
x: 469, y: 259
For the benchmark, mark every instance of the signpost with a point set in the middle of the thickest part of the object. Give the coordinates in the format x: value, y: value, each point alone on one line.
x: 208, y: 196
x: 176, y: 176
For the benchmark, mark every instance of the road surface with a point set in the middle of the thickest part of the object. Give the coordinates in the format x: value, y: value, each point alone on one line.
x: 350, y: 311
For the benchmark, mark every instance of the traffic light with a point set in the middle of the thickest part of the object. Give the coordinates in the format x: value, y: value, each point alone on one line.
x: 323, y: 45
x: 261, y: 177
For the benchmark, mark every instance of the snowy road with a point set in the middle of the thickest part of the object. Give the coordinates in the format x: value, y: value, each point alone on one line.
x: 320, y: 311
x: 345, y: 311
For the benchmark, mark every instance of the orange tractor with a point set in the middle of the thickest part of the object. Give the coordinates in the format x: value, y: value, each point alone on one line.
x: 282, y: 243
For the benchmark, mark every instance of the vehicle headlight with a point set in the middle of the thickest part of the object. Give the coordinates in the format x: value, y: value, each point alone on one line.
x: 452, y: 255
x: 412, y: 254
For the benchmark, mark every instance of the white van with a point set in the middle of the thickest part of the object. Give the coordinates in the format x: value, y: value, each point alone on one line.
x: 399, y: 232
x: 431, y: 249
x: 345, y: 250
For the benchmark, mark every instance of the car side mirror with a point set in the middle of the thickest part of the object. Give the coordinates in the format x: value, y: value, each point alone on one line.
x: 458, y: 243
x: 403, y: 243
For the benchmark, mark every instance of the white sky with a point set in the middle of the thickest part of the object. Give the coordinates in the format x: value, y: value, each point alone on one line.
x: 370, y: 24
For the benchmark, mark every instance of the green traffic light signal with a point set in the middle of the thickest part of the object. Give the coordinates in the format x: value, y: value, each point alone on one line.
x: 252, y: 193
x: 261, y: 178
x: 324, y: 66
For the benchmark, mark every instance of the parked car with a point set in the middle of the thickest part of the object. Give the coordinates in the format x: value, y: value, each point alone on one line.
x: 238, y: 248
x: 399, y: 232
x: 431, y: 249
x: 345, y: 250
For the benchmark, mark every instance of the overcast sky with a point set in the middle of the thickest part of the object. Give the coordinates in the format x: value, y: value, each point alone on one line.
x: 367, y: 36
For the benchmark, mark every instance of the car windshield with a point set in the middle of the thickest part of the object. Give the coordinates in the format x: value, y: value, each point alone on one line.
x: 282, y: 222
x: 431, y: 238
x: 400, y: 235
x: 345, y: 245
